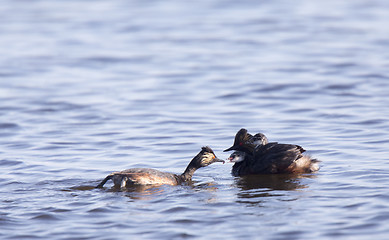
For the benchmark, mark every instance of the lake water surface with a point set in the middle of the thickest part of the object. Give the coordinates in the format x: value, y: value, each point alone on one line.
x: 91, y: 87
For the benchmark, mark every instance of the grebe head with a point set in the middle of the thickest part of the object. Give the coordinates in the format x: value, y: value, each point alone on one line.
x: 237, y: 156
x: 259, y: 139
x: 206, y: 157
x: 242, y: 138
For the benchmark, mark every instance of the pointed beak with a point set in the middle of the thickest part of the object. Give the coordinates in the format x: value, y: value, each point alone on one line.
x: 218, y: 160
x: 230, y: 148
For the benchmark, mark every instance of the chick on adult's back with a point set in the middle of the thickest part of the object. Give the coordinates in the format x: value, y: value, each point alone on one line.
x: 255, y: 155
x: 148, y: 176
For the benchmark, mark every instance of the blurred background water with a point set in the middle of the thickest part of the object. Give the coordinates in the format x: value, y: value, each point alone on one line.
x: 90, y: 87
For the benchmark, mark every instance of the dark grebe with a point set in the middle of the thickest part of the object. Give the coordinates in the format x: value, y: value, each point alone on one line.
x: 256, y: 156
x: 148, y: 176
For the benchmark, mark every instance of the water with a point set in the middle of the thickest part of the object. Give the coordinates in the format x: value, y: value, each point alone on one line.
x: 87, y: 88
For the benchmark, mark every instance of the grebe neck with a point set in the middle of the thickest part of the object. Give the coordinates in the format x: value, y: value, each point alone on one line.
x: 188, y: 173
x: 202, y: 159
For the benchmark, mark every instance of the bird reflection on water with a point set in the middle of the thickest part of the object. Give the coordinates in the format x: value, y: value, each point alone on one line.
x: 141, y: 192
x: 253, y: 188
x: 150, y: 192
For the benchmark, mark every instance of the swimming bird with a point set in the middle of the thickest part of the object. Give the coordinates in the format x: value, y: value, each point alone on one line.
x: 148, y: 176
x: 258, y: 156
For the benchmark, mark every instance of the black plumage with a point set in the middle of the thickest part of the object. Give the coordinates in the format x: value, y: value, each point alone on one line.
x: 257, y: 156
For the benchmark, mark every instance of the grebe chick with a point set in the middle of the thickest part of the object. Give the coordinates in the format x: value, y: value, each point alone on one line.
x: 259, y: 139
x: 237, y: 156
x: 148, y: 176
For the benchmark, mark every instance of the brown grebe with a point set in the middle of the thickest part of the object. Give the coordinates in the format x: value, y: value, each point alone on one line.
x: 255, y: 155
x: 148, y: 176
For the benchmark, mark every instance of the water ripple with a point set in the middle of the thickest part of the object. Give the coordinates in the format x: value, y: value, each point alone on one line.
x: 82, y: 96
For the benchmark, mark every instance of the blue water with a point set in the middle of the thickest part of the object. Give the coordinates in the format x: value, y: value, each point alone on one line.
x: 91, y: 87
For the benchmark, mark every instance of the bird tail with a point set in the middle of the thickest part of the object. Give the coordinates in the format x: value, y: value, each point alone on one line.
x: 104, y: 181
x: 307, y: 164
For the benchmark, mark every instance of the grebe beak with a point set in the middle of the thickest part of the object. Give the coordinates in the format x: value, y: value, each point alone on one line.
x: 230, y: 148
x: 218, y: 160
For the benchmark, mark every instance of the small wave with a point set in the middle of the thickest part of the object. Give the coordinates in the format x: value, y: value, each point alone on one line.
x: 6, y: 162
x: 8, y: 125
